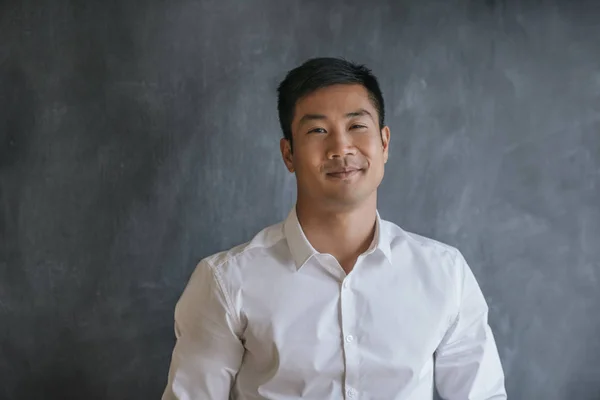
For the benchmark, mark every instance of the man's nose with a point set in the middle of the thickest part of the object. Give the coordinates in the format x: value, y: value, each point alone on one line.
x: 340, y: 144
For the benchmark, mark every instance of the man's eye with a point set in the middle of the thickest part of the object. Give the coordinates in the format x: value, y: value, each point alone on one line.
x: 355, y: 126
x: 317, y: 130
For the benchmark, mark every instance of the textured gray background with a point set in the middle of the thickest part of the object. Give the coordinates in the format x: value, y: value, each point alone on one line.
x: 138, y: 137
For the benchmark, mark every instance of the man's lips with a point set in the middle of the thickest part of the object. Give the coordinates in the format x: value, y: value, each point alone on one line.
x: 344, y: 173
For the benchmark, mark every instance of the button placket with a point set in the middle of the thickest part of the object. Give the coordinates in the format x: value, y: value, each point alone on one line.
x: 348, y: 321
x: 332, y: 266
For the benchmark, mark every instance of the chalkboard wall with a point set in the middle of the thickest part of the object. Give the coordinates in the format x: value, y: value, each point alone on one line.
x: 137, y: 137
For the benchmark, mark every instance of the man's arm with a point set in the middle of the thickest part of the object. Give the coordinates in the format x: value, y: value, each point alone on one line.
x: 208, y: 351
x: 467, y: 364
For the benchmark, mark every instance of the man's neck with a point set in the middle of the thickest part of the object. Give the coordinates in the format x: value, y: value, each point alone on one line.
x: 343, y: 234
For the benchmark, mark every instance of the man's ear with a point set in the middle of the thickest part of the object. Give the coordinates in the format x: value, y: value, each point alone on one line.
x: 385, y: 142
x: 286, y: 154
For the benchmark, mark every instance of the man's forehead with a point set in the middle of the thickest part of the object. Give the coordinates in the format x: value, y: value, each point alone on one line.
x: 341, y: 90
x: 340, y: 99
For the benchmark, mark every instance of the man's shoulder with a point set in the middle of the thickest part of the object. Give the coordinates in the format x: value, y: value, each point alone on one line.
x: 435, y: 262
x: 417, y: 242
x: 261, y: 245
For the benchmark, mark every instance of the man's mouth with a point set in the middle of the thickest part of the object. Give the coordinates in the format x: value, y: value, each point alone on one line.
x: 344, y: 174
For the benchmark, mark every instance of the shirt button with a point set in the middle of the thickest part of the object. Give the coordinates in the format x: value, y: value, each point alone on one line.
x: 346, y: 284
x: 349, y: 338
x: 351, y: 393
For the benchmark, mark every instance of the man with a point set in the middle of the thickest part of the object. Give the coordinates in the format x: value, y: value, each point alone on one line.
x: 334, y: 302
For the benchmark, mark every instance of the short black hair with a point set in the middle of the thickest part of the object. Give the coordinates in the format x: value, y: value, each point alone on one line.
x: 317, y: 73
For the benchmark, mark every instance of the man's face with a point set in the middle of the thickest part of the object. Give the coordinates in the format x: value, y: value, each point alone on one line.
x: 339, y: 150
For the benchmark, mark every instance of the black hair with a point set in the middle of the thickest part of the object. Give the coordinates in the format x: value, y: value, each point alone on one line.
x: 318, y: 73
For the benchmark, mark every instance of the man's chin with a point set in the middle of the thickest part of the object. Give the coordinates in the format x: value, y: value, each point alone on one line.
x: 350, y: 198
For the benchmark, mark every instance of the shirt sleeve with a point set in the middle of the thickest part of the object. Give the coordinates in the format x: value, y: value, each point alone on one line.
x: 467, y: 365
x: 208, y: 350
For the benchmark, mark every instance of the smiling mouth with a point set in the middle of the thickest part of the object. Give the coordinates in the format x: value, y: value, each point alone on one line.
x: 343, y: 174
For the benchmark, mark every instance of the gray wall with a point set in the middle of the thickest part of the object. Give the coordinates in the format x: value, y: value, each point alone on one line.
x: 139, y: 137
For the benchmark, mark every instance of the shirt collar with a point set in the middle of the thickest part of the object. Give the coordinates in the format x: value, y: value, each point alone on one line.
x: 302, y: 250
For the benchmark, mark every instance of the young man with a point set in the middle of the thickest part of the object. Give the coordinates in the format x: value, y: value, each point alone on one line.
x: 334, y: 302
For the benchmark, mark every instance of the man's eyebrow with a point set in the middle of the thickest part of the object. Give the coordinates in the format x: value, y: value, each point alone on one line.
x: 317, y: 117
x: 359, y: 113
x: 311, y: 117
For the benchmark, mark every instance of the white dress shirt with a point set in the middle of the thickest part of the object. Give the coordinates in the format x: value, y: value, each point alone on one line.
x: 274, y: 319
